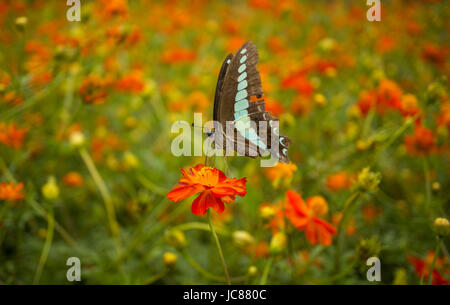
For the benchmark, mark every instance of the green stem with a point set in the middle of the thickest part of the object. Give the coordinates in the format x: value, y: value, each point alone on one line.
x: 156, y: 277
x: 219, y: 248
x: 426, y: 172
x: 436, y: 254
x: 200, y: 270
x: 341, y: 227
x: 266, y: 271
x: 46, y: 248
x: 107, y: 199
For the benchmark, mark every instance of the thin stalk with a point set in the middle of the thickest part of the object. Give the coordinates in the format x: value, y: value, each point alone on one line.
x: 426, y: 172
x: 156, y: 277
x: 107, y: 199
x: 436, y: 254
x: 266, y: 271
x: 219, y: 248
x: 46, y: 248
x: 341, y: 226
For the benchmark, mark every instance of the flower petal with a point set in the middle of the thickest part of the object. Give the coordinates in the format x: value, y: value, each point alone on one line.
x: 182, y: 191
x: 297, y: 203
x: 206, y: 200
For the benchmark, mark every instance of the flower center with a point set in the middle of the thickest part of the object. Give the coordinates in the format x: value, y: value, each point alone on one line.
x: 318, y: 206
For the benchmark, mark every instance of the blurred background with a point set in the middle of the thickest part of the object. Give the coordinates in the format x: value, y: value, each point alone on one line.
x: 85, y: 163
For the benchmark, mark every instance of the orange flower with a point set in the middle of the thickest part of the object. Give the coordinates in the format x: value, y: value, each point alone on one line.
x: 12, y: 136
x: 274, y: 107
x: 410, y: 106
x: 132, y: 82
x: 178, y: 55
x: 389, y: 95
x: 367, y: 99
x: 422, y: 267
x: 212, y: 184
x: 306, y: 217
x: 10, y: 192
x: 338, y: 181
x: 422, y: 142
x: 276, y: 215
x: 299, y: 82
x: 93, y: 90
x: 73, y: 179
x: 281, y: 171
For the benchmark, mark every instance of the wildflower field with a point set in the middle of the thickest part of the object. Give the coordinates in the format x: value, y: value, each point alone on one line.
x: 86, y: 164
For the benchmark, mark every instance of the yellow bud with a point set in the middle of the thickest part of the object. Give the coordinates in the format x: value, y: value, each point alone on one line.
x: 267, y: 212
x: 436, y: 186
x: 243, y: 239
x: 278, y: 243
x: 442, y: 226
x: 21, y: 22
x: 175, y: 238
x: 320, y: 99
x: 77, y: 139
x: 368, y: 181
x: 50, y: 190
x: 170, y: 259
x: 252, y: 271
x: 131, y: 161
x: 130, y: 122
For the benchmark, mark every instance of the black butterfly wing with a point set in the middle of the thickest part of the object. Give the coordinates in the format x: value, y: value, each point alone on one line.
x: 219, y: 86
x: 242, y: 82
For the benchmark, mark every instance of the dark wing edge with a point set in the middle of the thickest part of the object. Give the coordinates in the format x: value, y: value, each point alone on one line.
x: 219, y: 86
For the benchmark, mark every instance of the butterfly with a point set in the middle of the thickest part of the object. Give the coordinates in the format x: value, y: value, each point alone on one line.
x: 239, y: 100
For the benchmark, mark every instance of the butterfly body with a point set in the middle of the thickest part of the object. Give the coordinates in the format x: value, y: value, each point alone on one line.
x: 244, y: 125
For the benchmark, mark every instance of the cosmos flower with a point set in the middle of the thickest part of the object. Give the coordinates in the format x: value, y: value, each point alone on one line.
x: 214, y: 187
x: 73, y: 179
x: 306, y: 216
x: 11, y: 192
x: 11, y: 135
x: 93, y: 90
x: 339, y: 181
x: 421, y: 142
x: 422, y: 267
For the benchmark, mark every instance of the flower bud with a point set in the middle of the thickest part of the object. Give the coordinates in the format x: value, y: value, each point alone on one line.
x: 175, y: 238
x: 252, y: 271
x: 278, y: 243
x: 267, y: 211
x: 368, y: 181
x: 243, y: 239
x: 131, y: 161
x: 442, y: 226
x: 77, y: 139
x: 436, y: 186
x: 50, y: 190
x: 320, y: 99
x: 170, y: 259
x: 21, y: 23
